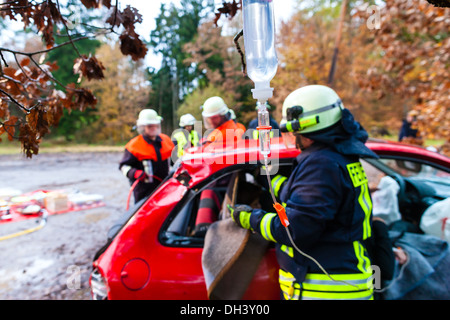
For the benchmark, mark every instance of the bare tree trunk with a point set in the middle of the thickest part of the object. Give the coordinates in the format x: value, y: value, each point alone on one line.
x: 337, y: 43
x: 175, y: 94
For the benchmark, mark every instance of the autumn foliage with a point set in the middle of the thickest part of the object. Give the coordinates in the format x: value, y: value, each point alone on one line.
x: 381, y: 73
x: 31, y: 98
x: 414, y: 37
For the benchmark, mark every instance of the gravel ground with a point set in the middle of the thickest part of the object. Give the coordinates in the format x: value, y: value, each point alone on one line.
x: 54, y: 263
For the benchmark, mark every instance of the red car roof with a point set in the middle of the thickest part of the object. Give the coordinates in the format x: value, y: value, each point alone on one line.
x: 382, y: 147
x: 202, y: 162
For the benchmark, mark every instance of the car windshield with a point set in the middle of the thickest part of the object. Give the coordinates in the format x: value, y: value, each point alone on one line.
x: 414, y: 169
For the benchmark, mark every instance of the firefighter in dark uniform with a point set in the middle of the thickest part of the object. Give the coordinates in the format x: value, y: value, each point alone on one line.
x: 327, y: 202
x: 147, y: 157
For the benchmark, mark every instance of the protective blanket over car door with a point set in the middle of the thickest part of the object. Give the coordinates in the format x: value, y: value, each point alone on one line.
x: 231, y: 255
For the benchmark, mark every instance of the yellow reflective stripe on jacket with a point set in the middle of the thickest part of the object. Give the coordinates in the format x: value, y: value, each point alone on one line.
x: 181, y: 142
x: 367, y: 210
x: 255, y: 134
x: 194, y: 138
x: 291, y: 292
x: 290, y: 289
x: 313, y: 295
x: 288, y: 250
x: 359, y: 179
x: 353, y: 282
x: 265, y: 226
x: 276, y: 182
x: 358, y: 286
x: 364, y: 264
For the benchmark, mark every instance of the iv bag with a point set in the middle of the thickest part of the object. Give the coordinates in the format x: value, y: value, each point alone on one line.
x: 259, y: 42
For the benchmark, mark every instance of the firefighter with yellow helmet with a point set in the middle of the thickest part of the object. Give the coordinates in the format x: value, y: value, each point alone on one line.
x: 327, y: 202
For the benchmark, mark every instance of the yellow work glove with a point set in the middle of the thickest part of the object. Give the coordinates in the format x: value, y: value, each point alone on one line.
x: 240, y: 214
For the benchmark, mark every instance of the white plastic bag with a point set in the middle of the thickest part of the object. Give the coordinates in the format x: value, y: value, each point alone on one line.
x: 436, y: 220
x: 385, y: 200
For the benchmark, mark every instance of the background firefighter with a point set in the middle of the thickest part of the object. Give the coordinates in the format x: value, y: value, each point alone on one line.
x: 185, y: 137
x: 147, y: 157
x: 218, y: 122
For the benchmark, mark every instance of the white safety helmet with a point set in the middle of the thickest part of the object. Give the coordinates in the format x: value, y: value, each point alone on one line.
x: 187, y: 120
x: 214, y: 106
x: 148, y: 116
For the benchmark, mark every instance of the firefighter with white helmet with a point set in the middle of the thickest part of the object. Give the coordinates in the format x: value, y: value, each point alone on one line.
x: 146, y: 157
x: 186, y: 136
x: 326, y: 199
x: 217, y: 117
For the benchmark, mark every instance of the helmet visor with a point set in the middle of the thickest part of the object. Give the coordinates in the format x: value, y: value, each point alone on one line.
x: 151, y: 130
x: 213, y: 121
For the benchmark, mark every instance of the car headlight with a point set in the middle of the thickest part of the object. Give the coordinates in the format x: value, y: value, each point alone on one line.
x: 99, y: 286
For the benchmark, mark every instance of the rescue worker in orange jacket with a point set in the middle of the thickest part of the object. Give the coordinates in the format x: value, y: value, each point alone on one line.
x: 217, y: 117
x: 147, y: 156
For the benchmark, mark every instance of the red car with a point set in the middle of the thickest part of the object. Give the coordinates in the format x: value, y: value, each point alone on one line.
x: 152, y: 253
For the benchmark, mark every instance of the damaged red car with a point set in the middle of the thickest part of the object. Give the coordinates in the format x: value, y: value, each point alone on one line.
x: 155, y: 250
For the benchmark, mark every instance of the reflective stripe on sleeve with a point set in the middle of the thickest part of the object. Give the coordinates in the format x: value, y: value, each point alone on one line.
x: 265, y: 226
x: 288, y: 250
x: 125, y: 169
x: 276, y: 184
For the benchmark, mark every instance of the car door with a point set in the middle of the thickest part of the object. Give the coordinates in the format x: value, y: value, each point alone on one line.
x: 178, y: 234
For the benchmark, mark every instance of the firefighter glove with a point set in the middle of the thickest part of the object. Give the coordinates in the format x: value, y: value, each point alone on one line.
x: 240, y: 213
x: 140, y: 175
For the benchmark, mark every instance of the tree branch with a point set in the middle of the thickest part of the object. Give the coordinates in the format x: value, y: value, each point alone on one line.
x: 67, y: 30
x: 46, y: 50
x: 27, y: 110
x: 238, y: 47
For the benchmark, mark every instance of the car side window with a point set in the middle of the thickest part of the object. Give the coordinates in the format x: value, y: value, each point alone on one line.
x: 188, y: 222
x: 411, y: 168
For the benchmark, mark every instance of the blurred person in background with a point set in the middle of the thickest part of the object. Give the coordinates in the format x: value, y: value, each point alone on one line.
x: 146, y: 158
x: 185, y: 137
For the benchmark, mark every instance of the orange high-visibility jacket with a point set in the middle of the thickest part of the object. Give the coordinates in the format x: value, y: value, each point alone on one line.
x: 220, y: 133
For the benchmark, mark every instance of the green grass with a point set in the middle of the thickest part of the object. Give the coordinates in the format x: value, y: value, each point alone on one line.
x: 428, y: 142
x: 431, y: 142
x: 12, y: 148
x: 59, y: 146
